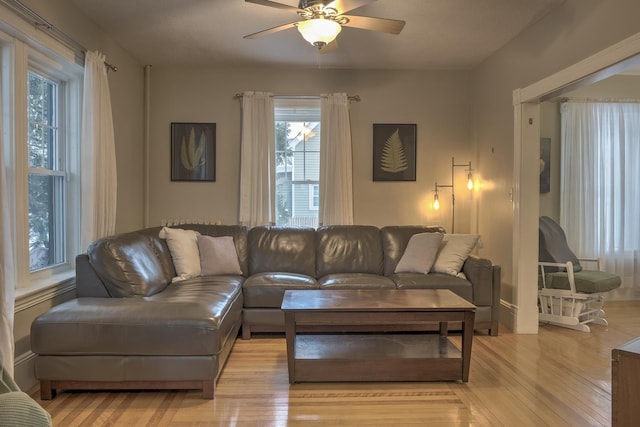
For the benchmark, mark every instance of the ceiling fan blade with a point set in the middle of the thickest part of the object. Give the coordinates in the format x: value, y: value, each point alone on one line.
x: 329, y: 47
x: 391, y: 26
x: 271, y: 30
x: 277, y: 5
x: 344, y: 6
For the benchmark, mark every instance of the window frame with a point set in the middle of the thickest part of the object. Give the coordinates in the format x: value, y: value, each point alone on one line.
x: 302, y: 109
x: 21, y: 52
x: 314, y: 193
x: 57, y: 168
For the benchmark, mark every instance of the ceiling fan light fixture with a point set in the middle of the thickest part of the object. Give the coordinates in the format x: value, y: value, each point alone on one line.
x: 319, y: 31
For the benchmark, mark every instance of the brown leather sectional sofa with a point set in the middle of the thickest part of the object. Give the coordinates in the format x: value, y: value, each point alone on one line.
x: 130, y: 327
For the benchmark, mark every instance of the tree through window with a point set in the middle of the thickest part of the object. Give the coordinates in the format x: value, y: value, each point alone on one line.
x: 46, y: 174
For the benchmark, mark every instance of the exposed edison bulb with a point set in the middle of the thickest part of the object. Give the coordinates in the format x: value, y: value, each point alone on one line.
x: 470, y: 182
x: 436, y: 202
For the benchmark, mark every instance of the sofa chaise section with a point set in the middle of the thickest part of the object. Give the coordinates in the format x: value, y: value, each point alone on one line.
x: 132, y: 328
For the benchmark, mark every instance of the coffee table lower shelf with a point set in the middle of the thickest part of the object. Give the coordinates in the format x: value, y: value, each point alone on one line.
x: 375, y: 357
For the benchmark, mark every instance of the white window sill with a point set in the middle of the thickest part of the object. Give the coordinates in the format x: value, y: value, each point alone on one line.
x: 44, y: 289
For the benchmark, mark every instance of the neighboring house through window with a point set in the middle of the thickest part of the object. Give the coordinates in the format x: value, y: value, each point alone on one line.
x: 297, y: 122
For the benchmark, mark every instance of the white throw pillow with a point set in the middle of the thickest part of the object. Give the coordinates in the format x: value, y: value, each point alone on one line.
x: 454, y: 250
x: 420, y: 253
x: 184, y: 252
x: 218, y: 256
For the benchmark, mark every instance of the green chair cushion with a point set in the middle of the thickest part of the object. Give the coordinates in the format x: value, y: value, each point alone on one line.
x: 19, y: 410
x: 587, y: 281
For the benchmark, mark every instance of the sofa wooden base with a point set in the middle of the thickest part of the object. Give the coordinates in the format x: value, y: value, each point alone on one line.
x: 490, y: 325
x: 48, y: 388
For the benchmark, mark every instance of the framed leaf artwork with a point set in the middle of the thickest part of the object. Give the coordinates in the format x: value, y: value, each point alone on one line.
x: 193, y: 151
x: 394, y: 152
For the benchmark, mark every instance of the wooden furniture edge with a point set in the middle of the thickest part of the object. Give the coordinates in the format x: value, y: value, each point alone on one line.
x: 48, y: 388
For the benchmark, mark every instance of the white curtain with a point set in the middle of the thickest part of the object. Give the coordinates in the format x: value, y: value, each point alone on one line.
x: 98, y: 154
x: 257, y: 160
x: 600, y: 190
x: 7, y: 266
x: 336, y: 183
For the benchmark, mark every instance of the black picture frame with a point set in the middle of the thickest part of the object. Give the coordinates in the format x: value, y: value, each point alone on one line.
x: 545, y: 165
x: 193, y: 152
x: 394, y: 152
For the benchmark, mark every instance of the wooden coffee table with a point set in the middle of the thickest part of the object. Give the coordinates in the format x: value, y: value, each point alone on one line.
x: 361, y: 335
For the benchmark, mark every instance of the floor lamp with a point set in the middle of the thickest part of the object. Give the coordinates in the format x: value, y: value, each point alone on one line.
x: 436, y: 201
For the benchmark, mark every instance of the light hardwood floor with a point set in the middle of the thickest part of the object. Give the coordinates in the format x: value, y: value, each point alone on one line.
x: 559, y: 377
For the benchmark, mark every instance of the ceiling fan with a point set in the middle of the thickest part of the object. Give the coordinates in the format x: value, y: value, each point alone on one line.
x: 322, y: 20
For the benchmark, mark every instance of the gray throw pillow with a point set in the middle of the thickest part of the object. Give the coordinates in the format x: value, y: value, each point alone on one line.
x: 420, y: 253
x: 454, y: 250
x: 218, y: 256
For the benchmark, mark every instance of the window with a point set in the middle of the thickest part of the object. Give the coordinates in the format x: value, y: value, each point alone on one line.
x: 297, y: 123
x: 41, y: 113
x: 46, y: 174
x: 314, y: 197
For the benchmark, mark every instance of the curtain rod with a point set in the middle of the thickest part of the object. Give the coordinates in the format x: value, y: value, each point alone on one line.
x: 355, y: 98
x: 42, y: 24
x: 602, y: 100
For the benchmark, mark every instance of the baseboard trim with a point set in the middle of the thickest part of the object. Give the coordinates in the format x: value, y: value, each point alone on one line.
x: 508, y: 314
x: 24, y: 370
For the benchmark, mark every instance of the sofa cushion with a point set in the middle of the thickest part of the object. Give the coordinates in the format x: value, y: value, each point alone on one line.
x: 395, y: 239
x: 348, y: 249
x: 282, y: 249
x: 460, y: 286
x: 263, y: 290
x: 184, y: 252
x: 193, y: 317
x: 218, y: 256
x: 420, y: 253
x: 132, y: 264
x: 587, y: 281
x: 454, y: 250
x: 355, y: 281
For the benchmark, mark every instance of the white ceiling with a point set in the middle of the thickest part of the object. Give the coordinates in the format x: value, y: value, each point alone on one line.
x: 439, y: 34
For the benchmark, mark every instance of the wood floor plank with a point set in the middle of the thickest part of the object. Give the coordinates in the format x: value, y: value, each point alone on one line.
x: 559, y: 377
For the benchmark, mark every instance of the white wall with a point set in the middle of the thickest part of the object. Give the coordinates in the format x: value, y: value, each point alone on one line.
x: 437, y: 101
x: 576, y: 30
x: 623, y: 87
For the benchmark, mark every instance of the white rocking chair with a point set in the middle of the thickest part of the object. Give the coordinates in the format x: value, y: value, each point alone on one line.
x: 569, y: 296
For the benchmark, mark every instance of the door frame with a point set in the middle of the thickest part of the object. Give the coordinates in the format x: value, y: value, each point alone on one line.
x: 526, y: 113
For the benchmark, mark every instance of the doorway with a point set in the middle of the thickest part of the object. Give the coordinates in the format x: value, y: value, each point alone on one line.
x: 611, y: 61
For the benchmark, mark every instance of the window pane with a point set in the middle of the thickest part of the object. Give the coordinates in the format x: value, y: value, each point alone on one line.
x: 46, y: 248
x: 314, y: 197
x: 41, y: 111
